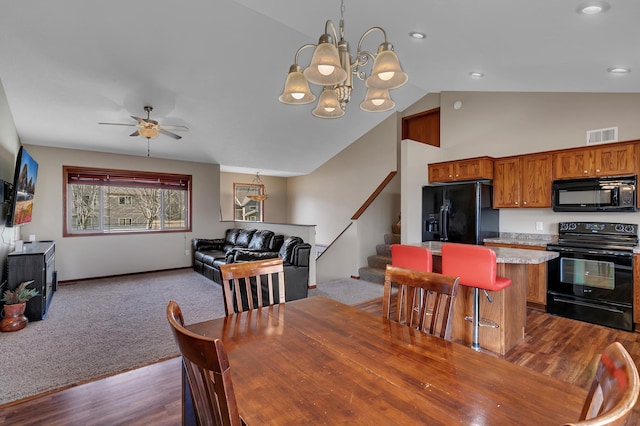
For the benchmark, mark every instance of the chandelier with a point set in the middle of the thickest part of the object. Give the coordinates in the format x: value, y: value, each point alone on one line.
x: 256, y: 193
x: 333, y: 68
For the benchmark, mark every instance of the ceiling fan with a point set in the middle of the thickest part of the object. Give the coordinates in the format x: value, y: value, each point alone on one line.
x: 148, y: 128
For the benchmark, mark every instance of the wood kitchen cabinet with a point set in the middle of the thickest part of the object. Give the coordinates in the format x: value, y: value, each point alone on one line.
x: 461, y: 170
x: 610, y: 160
x: 536, y: 277
x: 522, y: 181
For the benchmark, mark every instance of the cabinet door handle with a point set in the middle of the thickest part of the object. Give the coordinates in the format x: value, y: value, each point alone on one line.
x: 516, y: 203
x: 585, y: 171
x: 524, y: 203
x: 597, y: 170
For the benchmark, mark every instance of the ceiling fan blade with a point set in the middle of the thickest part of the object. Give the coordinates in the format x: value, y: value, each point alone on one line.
x: 174, y: 127
x: 135, y: 133
x: 168, y: 133
x: 119, y: 124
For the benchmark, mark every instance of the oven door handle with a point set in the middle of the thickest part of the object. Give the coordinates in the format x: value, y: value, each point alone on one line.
x: 589, y: 305
x: 589, y: 251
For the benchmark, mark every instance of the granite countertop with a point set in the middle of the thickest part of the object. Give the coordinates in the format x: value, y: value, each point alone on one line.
x: 504, y: 255
x: 538, y: 240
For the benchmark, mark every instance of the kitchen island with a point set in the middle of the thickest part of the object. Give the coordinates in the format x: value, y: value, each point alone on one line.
x: 508, y: 308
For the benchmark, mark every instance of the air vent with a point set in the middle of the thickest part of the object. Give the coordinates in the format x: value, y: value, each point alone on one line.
x: 602, y: 136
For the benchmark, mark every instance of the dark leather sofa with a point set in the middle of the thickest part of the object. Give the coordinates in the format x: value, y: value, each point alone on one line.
x: 242, y: 245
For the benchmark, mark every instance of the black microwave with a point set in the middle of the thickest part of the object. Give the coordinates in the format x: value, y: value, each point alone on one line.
x: 601, y: 194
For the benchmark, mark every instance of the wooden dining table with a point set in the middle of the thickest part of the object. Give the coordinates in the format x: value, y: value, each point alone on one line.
x: 318, y: 361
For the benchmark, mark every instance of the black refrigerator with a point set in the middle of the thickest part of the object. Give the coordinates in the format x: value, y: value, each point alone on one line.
x: 459, y: 212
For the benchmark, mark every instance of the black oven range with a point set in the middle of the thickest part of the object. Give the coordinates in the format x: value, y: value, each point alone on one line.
x: 592, y: 279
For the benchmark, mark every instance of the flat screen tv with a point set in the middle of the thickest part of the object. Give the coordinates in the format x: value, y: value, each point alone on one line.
x: 24, y: 185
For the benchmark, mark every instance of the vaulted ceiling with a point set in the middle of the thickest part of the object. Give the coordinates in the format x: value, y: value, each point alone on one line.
x: 218, y: 68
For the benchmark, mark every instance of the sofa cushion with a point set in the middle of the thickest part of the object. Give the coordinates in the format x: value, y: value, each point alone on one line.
x: 287, y: 248
x: 261, y: 240
x: 244, y: 237
x: 232, y: 235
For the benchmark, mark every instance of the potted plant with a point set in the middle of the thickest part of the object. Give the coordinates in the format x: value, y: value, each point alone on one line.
x: 15, y: 303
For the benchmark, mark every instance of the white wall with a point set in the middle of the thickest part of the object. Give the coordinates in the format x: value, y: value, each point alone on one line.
x: 275, y: 207
x: 95, y: 256
x: 503, y: 124
x: 330, y: 195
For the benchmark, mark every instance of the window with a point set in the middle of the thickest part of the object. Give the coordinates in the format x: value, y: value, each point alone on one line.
x: 102, y: 201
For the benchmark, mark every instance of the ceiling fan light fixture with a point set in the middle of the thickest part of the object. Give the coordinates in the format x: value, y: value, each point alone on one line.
x: 148, y: 132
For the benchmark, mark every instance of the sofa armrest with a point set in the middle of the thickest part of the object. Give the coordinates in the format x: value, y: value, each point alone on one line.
x: 300, y: 254
x: 207, y: 244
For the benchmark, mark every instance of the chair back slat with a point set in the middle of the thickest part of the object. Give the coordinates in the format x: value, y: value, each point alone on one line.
x: 424, y: 299
x: 207, y: 368
x: 245, y: 284
x: 614, y: 390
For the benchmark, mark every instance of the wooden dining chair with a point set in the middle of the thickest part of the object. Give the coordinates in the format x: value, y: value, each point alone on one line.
x: 206, y: 365
x: 430, y: 310
x: 250, y: 285
x: 614, y: 390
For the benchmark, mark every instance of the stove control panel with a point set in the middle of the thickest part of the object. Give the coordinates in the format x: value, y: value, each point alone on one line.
x: 604, y: 228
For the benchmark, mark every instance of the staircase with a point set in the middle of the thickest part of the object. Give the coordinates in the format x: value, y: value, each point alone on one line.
x: 374, y: 272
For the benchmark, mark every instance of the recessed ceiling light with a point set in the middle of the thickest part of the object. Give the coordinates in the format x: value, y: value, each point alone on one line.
x: 417, y: 35
x: 593, y: 7
x: 618, y: 70
x: 476, y: 74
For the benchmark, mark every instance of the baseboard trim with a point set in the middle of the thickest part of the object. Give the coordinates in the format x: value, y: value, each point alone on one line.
x: 74, y: 281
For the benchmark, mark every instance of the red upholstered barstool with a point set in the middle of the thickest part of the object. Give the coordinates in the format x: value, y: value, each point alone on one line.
x: 411, y: 257
x: 476, y: 266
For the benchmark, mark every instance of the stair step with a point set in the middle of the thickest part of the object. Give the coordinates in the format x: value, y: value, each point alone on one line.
x: 383, y: 250
x: 374, y: 275
x: 391, y: 239
x: 378, y: 262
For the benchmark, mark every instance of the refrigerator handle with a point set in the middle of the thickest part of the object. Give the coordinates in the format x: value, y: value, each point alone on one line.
x: 444, y: 222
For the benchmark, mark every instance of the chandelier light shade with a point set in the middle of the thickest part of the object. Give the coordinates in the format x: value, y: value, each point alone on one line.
x: 377, y: 100
x: 296, y: 89
x: 325, y: 68
x: 328, y: 105
x: 386, y: 72
x: 333, y: 67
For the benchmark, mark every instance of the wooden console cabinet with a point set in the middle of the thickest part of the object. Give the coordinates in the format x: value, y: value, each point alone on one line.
x: 35, y: 262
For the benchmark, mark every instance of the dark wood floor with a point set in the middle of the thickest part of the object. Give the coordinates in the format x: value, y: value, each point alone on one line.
x: 559, y: 347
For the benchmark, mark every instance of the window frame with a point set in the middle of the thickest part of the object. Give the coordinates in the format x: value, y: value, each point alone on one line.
x: 122, y: 178
x: 247, y: 187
